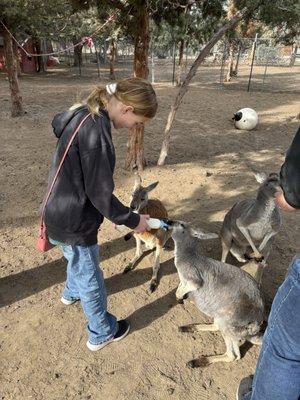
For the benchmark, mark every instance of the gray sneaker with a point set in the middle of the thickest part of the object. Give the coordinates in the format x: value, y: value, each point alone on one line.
x: 245, y: 388
x: 123, y: 330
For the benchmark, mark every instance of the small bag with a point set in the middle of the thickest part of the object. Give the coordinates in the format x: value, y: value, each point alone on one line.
x: 43, y: 243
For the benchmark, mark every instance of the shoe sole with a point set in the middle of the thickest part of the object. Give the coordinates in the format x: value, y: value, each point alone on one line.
x: 96, y: 347
x: 245, y: 387
x: 67, y: 302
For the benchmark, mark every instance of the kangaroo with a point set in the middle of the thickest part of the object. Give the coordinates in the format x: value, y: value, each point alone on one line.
x: 222, y: 291
x: 155, y: 238
x: 252, y: 222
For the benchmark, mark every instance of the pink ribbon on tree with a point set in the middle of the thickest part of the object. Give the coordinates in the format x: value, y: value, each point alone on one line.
x: 88, y: 41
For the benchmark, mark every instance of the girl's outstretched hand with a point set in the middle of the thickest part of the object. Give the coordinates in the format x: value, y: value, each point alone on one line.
x: 142, y: 226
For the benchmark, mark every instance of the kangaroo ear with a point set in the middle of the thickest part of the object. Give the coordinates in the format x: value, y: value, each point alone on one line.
x: 260, y: 177
x: 203, y: 235
x: 151, y: 187
x: 137, y: 182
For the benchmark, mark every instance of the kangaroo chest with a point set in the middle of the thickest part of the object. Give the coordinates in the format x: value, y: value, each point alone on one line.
x: 259, y: 230
x: 148, y: 239
x: 261, y: 224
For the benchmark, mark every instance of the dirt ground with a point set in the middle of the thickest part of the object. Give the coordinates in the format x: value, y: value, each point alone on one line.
x: 42, y: 345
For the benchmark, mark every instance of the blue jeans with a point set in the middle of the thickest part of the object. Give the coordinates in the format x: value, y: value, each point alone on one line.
x: 85, y: 282
x: 277, y: 375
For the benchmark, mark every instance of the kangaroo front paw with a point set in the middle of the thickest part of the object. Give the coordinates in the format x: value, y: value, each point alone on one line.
x: 247, y: 257
x: 180, y: 300
x: 184, y: 328
x: 153, y: 286
x: 127, y: 268
x: 198, y: 362
x: 256, y: 256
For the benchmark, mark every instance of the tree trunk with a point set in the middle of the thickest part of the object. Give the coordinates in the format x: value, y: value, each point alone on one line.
x: 77, y: 53
x: 141, y: 44
x: 40, y: 60
x: 17, y: 109
x: 236, y: 68
x: 17, y: 57
x: 250, y: 56
x: 112, y: 58
x: 231, y: 34
x: 135, y: 147
x: 293, y: 57
x: 184, y: 87
x: 230, y: 63
x: 104, y: 49
x: 180, y: 62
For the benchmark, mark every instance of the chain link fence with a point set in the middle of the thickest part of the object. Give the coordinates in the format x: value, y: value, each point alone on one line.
x: 254, y: 64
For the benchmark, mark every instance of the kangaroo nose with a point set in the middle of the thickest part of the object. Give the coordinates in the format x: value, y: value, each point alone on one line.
x: 168, y: 222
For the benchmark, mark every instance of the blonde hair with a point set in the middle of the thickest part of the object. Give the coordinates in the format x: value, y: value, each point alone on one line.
x: 135, y: 92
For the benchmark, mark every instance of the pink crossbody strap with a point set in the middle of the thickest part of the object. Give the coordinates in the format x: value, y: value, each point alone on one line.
x: 61, y: 163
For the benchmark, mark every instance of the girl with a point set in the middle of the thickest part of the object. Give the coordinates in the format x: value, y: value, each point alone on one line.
x: 83, y: 195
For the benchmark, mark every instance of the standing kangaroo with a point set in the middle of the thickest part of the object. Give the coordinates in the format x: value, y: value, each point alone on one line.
x: 223, y: 292
x: 252, y: 222
x: 154, y: 238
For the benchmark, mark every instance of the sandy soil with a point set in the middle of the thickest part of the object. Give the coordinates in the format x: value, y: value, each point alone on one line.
x: 42, y: 345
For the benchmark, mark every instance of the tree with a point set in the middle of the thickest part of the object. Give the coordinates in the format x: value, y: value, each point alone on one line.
x: 17, y: 109
x: 82, y: 22
x: 142, y: 11
x: 24, y: 18
x: 134, y: 21
x: 250, y: 10
x: 232, y: 42
x: 184, y: 87
x: 112, y: 57
x: 135, y: 149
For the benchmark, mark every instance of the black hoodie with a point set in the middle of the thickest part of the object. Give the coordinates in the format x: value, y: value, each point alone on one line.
x: 290, y: 173
x: 83, y: 192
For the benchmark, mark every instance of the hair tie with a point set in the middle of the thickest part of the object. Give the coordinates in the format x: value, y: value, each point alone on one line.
x: 111, y: 88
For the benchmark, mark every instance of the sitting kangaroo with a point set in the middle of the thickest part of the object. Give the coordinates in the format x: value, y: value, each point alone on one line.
x: 154, y: 238
x: 252, y: 222
x: 223, y: 292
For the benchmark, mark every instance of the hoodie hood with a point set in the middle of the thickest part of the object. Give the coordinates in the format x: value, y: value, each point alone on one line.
x: 61, y: 120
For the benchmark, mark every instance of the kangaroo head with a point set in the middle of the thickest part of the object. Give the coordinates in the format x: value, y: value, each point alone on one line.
x: 182, y: 232
x: 139, y: 197
x: 269, y: 184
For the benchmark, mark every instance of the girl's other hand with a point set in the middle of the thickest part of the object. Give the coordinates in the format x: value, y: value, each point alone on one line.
x: 282, y: 203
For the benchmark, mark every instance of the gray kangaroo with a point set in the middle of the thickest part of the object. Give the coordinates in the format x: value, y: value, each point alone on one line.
x: 252, y: 222
x: 223, y: 292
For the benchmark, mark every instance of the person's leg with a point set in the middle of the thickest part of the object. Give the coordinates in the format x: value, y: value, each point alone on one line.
x: 88, y: 277
x: 277, y: 375
x: 70, y: 292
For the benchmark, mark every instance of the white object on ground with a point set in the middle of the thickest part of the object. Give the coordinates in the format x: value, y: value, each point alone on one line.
x: 245, y: 118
